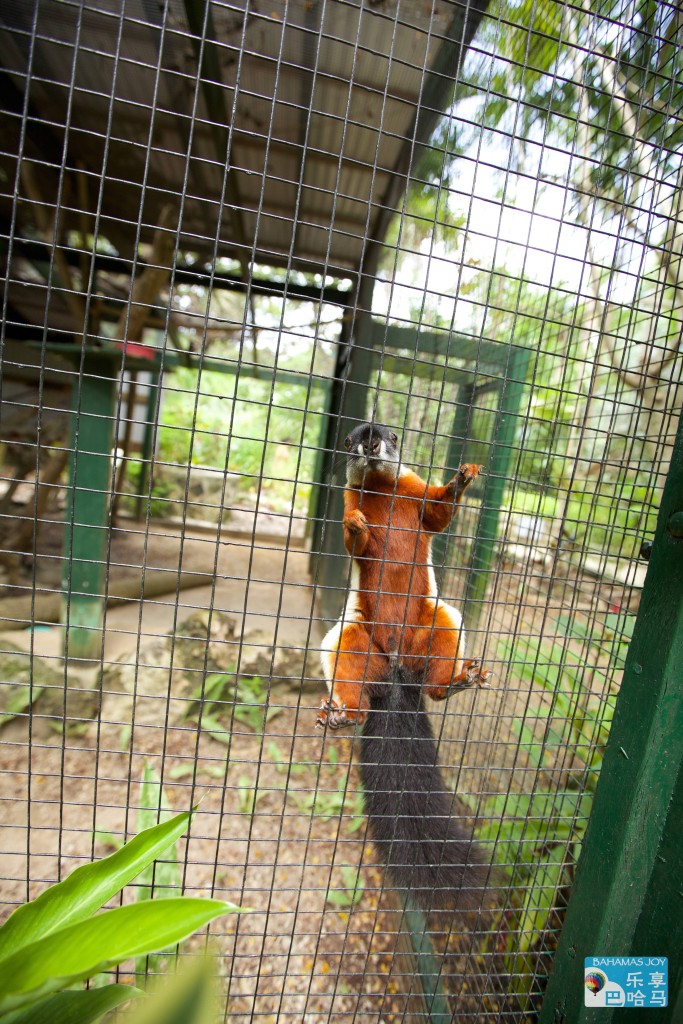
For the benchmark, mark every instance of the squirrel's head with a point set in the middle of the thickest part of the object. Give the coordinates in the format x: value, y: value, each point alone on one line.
x: 372, y: 448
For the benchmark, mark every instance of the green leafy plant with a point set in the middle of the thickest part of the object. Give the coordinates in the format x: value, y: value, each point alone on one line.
x: 316, y: 799
x: 350, y: 892
x: 189, y: 997
x: 161, y: 878
x: 58, y: 940
x: 326, y: 803
x: 250, y: 703
x: 248, y: 795
x: 537, y: 836
x: 282, y: 765
x: 223, y: 694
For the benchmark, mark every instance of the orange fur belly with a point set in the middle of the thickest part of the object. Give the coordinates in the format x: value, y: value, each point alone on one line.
x: 393, y: 619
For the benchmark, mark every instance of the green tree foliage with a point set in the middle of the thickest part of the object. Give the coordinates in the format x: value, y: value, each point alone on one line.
x: 579, y: 107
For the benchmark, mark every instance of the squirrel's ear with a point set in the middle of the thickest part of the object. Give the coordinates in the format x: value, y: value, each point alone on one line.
x: 347, y: 442
x: 394, y: 438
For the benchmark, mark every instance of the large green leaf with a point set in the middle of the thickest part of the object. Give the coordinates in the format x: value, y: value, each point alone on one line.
x: 187, y: 998
x: 541, y: 897
x: 74, y: 1007
x: 88, y: 947
x: 159, y: 879
x: 163, y: 879
x: 87, y: 888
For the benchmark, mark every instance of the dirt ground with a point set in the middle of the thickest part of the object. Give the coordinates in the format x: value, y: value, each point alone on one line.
x: 278, y: 827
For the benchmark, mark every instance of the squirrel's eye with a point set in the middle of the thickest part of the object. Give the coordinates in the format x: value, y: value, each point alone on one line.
x: 347, y: 443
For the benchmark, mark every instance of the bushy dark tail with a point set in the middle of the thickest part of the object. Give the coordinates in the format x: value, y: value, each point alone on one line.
x: 410, y: 811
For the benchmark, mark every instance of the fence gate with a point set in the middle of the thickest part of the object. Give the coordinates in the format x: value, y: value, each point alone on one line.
x: 230, y: 232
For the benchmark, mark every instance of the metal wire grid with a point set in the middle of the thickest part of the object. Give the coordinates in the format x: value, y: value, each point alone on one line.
x: 262, y: 837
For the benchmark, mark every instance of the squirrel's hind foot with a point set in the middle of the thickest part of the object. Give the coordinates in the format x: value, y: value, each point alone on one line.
x: 336, y: 716
x: 472, y: 674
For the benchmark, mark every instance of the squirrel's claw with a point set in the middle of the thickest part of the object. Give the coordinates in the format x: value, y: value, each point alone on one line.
x: 472, y: 675
x: 334, y: 716
x: 479, y: 676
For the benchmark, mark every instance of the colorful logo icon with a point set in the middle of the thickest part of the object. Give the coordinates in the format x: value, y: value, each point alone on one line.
x: 595, y: 981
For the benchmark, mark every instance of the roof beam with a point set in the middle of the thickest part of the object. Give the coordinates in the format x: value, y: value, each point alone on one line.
x: 310, y: 51
x: 38, y: 252
x: 437, y: 90
x: 201, y: 26
x: 48, y: 145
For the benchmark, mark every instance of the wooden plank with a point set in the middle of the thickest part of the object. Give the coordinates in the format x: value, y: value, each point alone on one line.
x: 47, y: 606
x: 438, y: 88
x: 210, y: 81
x: 38, y: 252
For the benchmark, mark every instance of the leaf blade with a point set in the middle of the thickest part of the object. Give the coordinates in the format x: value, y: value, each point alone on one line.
x: 87, y: 888
x: 99, y: 943
x: 74, y: 1007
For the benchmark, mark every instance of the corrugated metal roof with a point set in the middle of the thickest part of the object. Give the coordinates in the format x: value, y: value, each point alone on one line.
x: 312, y: 100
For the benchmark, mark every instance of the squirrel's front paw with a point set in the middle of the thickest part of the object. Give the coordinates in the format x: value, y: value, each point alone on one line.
x: 468, y: 472
x: 355, y: 522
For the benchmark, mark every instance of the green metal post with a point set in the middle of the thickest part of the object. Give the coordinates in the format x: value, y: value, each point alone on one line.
x: 443, y: 541
x: 348, y: 404
x: 428, y: 965
x: 89, y: 495
x: 497, y: 470
x: 661, y: 927
x: 315, y: 526
x: 627, y: 899
x: 152, y: 415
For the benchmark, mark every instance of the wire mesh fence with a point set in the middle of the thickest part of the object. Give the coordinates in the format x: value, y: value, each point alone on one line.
x: 231, y: 233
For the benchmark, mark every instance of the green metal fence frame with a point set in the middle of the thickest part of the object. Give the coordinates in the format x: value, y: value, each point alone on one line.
x: 493, y: 366
x: 627, y: 899
x: 89, y: 492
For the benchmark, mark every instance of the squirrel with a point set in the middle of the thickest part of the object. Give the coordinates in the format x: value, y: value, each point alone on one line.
x: 395, y: 642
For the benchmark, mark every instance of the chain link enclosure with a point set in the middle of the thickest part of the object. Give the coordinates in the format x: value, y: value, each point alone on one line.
x: 230, y: 231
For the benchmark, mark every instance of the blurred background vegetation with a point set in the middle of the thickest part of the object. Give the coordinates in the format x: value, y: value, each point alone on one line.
x: 549, y: 229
